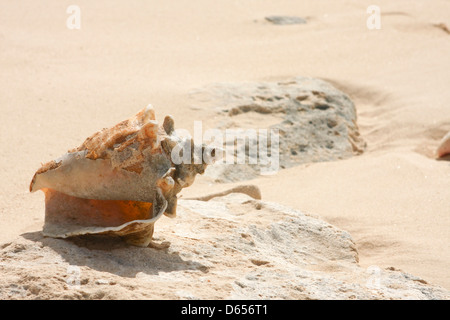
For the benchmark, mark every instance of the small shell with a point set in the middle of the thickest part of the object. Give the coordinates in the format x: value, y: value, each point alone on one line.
x: 444, y: 146
x: 118, y: 182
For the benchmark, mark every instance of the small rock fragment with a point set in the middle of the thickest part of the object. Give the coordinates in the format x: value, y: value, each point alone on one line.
x: 285, y: 20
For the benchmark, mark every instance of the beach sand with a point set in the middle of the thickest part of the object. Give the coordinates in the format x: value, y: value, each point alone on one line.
x: 58, y: 86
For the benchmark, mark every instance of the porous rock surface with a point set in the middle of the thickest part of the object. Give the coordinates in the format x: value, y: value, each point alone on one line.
x: 232, y: 247
x: 316, y: 122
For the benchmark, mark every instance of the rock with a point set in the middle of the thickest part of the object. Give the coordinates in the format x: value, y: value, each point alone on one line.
x: 284, y: 20
x: 316, y: 122
x: 444, y: 146
x: 232, y: 247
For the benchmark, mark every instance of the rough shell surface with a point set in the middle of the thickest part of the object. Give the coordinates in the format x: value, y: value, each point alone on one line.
x: 119, y: 181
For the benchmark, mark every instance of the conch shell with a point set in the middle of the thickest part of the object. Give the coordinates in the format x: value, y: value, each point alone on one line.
x: 118, y: 182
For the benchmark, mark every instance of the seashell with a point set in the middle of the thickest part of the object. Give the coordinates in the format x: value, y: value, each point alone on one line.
x: 444, y: 146
x: 118, y: 182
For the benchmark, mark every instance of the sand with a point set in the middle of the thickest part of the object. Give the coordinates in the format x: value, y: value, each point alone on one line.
x: 58, y: 86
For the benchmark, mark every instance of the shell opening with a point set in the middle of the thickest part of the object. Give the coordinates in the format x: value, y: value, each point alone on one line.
x: 68, y: 212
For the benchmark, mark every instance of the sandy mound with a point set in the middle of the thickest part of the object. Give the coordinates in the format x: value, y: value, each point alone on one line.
x: 232, y: 247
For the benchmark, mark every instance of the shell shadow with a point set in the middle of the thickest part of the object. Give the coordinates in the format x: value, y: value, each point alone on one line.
x: 113, y: 255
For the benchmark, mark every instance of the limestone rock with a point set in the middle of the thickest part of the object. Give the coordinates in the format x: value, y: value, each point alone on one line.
x: 232, y: 247
x: 316, y: 122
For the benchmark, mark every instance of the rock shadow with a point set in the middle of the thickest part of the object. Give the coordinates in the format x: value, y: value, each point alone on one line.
x: 113, y: 255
